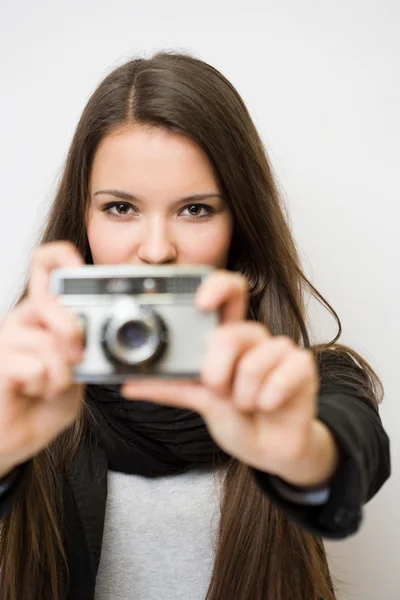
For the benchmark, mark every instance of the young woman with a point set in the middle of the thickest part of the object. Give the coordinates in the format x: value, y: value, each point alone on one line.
x: 220, y: 488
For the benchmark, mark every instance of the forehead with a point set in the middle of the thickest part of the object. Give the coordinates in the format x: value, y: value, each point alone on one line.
x: 146, y: 159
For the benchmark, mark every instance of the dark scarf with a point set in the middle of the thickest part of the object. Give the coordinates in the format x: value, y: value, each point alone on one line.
x: 143, y: 438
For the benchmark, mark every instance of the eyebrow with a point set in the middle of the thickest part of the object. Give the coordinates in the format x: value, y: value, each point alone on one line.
x: 130, y: 197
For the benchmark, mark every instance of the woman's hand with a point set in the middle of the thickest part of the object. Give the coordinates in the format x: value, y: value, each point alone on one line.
x: 257, y: 392
x: 40, y: 341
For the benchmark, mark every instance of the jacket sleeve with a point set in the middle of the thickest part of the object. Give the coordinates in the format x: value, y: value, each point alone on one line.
x: 9, y: 487
x: 364, y: 464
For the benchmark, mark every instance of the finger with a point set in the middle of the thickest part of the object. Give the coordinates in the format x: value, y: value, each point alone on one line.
x: 29, y: 339
x: 226, y: 292
x: 227, y: 344
x: 181, y: 394
x: 255, y: 367
x: 46, y: 258
x: 24, y: 372
x: 297, y: 372
x: 42, y: 345
x: 49, y: 314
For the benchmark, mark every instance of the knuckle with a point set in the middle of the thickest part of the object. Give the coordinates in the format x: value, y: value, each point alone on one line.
x: 248, y: 369
x: 57, y: 246
x: 59, y: 382
x: 58, y: 317
x: 228, y: 337
x: 224, y: 336
x: 284, y: 343
x: 260, y: 329
x: 12, y: 319
x: 72, y: 328
x: 60, y: 249
x: 7, y: 325
x: 241, y: 283
x: 37, y: 369
x: 306, y: 359
x: 48, y: 341
x: 211, y: 377
x: 65, y: 247
x: 39, y: 253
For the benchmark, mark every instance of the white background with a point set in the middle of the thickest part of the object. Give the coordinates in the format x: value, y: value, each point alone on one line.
x: 321, y: 80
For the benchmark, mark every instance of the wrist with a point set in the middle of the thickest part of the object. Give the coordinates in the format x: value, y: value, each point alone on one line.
x: 315, y: 468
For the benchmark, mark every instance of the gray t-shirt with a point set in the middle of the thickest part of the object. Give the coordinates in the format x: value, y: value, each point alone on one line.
x: 160, y: 536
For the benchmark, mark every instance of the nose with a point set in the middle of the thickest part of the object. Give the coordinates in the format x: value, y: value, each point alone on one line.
x: 156, y: 245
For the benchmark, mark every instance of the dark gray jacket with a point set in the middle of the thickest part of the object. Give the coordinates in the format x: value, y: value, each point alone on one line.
x: 364, y: 467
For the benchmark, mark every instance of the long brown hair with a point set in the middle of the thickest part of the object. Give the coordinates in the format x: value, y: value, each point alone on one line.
x: 261, y: 555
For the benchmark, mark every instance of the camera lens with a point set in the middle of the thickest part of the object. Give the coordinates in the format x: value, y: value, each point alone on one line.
x: 133, y: 335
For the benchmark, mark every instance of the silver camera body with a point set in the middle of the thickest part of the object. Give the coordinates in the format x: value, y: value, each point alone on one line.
x: 139, y: 321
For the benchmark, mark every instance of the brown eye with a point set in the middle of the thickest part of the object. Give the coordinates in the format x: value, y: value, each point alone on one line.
x: 197, y: 211
x: 122, y: 208
x: 194, y: 209
x: 119, y: 209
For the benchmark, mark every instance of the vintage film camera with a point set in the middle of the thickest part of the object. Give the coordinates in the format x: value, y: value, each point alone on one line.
x: 138, y: 320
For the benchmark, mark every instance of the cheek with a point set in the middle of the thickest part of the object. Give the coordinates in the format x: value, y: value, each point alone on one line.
x: 207, y: 245
x: 106, y: 247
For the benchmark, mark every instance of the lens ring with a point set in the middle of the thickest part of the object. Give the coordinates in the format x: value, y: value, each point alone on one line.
x: 127, y: 311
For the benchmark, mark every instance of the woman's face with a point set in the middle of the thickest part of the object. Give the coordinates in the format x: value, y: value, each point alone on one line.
x: 154, y: 200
